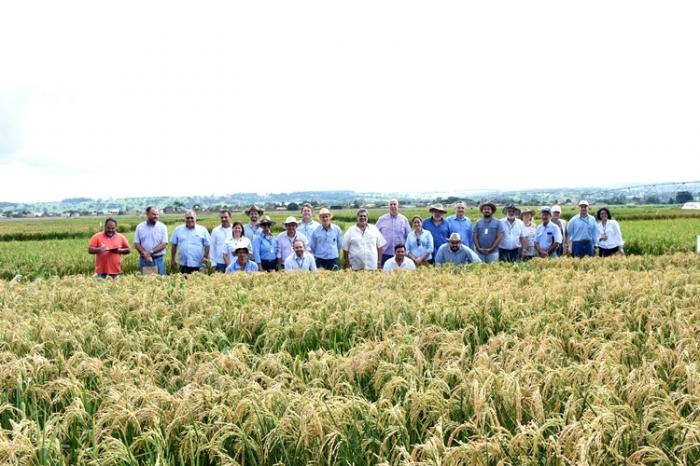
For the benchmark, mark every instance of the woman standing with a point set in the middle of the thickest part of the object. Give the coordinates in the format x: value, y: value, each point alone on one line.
x: 529, y: 230
x: 419, y: 243
x: 609, y: 235
x: 237, y: 240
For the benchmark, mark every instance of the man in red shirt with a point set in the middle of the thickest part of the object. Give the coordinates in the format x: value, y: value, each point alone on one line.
x: 108, y: 247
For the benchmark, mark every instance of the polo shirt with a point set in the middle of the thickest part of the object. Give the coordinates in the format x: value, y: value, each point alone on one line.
x: 108, y: 262
x: 190, y: 244
x: 486, y: 231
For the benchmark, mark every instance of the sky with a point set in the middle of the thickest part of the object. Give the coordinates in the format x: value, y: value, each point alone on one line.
x: 132, y: 98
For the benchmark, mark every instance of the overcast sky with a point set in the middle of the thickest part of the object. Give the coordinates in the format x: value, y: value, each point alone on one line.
x: 115, y: 99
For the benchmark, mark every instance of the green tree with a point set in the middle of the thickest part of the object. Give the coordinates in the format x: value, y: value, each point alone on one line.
x: 683, y: 196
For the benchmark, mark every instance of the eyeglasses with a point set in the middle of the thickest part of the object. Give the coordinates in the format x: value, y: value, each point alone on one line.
x: 189, y: 218
x: 417, y: 241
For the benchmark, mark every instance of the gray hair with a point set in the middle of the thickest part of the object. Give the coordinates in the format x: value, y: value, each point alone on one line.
x: 359, y: 211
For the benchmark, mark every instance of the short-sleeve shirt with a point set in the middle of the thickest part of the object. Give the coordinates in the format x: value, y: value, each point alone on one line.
x: 250, y: 266
x: 391, y: 264
x: 546, y: 235
x: 512, y: 232
x: 362, y: 247
x: 486, y: 231
x: 108, y: 262
x: 190, y: 243
x: 230, y: 246
x: 149, y: 236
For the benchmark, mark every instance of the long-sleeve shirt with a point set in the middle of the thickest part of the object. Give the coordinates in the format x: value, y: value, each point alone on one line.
x: 219, y: 236
x: 326, y: 243
x: 420, y: 244
x: 285, y: 244
x: 463, y: 226
x: 190, y: 244
x: 583, y: 229
x: 264, y: 247
x: 394, y: 229
x: 614, y: 236
x: 307, y: 229
x: 440, y: 232
x: 463, y: 255
x: 234, y: 266
x: 305, y: 262
x: 250, y: 230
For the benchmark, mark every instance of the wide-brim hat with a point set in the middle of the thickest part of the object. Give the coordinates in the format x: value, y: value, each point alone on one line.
x: 546, y: 209
x: 291, y: 220
x: 256, y: 208
x: 512, y: 206
x: 241, y: 248
x: 325, y: 211
x: 487, y: 203
x: 437, y: 208
x: 265, y: 219
x: 527, y: 211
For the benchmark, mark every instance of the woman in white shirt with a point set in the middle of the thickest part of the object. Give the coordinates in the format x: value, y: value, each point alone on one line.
x: 609, y: 235
x: 237, y: 240
x: 529, y: 230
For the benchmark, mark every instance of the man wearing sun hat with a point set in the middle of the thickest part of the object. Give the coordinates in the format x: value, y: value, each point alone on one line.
x: 488, y: 233
x: 253, y: 228
x: 327, y: 242
x: 285, y: 240
x: 583, y: 232
x: 512, y: 247
x: 561, y: 223
x: 242, y: 262
x: 265, y: 246
x: 437, y: 226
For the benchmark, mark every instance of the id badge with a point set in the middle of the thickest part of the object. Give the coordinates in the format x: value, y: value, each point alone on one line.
x: 486, y: 231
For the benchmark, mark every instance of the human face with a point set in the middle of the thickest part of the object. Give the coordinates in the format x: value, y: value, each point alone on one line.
x: 527, y: 218
x: 153, y: 216
x: 225, y: 219
x: 555, y: 214
x: 454, y: 245
x: 242, y: 256
x: 399, y: 254
x: 510, y: 213
x: 306, y: 214
x: 190, y: 219
x: 110, y: 229
x: 437, y: 215
x: 393, y: 207
x: 486, y: 211
x: 254, y: 215
x: 417, y: 224
x: 459, y: 210
x: 266, y: 228
x: 237, y: 231
x: 545, y: 217
x: 603, y: 215
x: 325, y: 220
x: 362, y: 219
x: 291, y: 229
x: 583, y: 210
x: 299, y: 248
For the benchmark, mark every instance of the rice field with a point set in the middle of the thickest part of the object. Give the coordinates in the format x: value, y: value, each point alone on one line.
x: 565, y: 362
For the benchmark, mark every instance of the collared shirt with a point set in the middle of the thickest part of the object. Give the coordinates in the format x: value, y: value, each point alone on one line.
x: 362, y: 246
x: 512, y: 232
x: 307, y: 229
x: 264, y: 247
x: 250, y: 230
x: 583, y: 229
x: 219, y: 236
x: 150, y: 236
x: 487, y: 231
x: 612, y: 230
x: 305, y: 262
x: 463, y: 255
x: 108, y: 262
x: 285, y: 244
x: 463, y: 226
x: 440, y: 232
x: 234, y: 266
x: 419, y: 245
x: 190, y: 244
x: 394, y: 229
x: 546, y: 235
x: 561, y: 223
x: 232, y: 244
x: 530, y: 239
x: 391, y: 265
x: 326, y: 243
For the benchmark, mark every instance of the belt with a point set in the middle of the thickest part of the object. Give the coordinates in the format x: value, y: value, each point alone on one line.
x: 583, y: 241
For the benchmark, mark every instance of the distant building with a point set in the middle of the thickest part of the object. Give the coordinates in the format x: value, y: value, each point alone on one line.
x: 691, y: 205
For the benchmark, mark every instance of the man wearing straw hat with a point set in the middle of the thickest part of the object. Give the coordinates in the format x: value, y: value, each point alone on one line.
x: 456, y: 253
x: 437, y: 225
x: 327, y: 242
x: 252, y: 228
x: 488, y: 233
x: 512, y: 247
x: 394, y: 228
x: 242, y: 262
x: 285, y: 240
x: 265, y: 246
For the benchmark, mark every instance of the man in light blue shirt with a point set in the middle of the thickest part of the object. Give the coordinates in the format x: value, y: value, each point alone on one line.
x: 437, y: 225
x: 326, y: 242
x: 582, y: 232
x: 307, y: 225
x: 193, y: 242
x: 265, y: 246
x: 253, y: 227
x: 547, y: 235
x: 459, y: 223
x: 242, y: 262
x: 454, y: 252
x: 300, y: 259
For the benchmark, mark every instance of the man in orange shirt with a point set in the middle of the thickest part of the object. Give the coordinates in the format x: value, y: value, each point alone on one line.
x: 108, y: 247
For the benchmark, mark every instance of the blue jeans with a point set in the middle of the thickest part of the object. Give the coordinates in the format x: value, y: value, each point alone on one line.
x: 220, y: 267
x: 582, y: 248
x: 328, y: 264
x: 488, y: 258
x: 508, y: 255
x: 386, y: 257
x: 157, y: 261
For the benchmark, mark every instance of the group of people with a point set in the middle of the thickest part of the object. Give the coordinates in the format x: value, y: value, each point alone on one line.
x: 392, y: 243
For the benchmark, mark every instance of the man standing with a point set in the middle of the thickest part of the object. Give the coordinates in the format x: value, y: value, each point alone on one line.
x: 300, y: 259
x: 285, y: 240
x: 394, y: 228
x: 362, y: 244
x: 219, y: 236
x: 308, y: 224
x: 514, y: 237
x: 547, y: 235
x: 582, y: 232
x: 253, y: 228
x: 327, y: 242
x: 437, y: 225
x: 265, y: 246
x: 399, y: 261
x: 460, y: 223
x: 150, y: 240
x: 488, y: 234
x: 108, y: 247
x: 454, y: 252
x: 193, y: 242
x: 561, y: 223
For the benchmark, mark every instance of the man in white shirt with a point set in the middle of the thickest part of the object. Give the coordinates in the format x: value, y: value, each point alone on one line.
x: 399, y: 261
x: 300, y: 259
x: 512, y: 247
x: 362, y: 244
x: 219, y: 235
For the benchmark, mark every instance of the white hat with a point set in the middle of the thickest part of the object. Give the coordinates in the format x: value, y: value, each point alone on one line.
x: 455, y: 237
x: 556, y: 208
x: 291, y: 219
x: 583, y: 202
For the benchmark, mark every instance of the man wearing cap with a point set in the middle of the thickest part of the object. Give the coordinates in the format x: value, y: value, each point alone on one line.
x: 488, y: 234
x: 582, y: 232
x: 512, y: 247
x: 394, y: 228
x: 362, y: 244
x: 193, y: 242
x: 150, y: 240
x: 307, y: 224
x: 242, y: 262
x: 108, y: 247
x: 300, y: 259
x: 460, y: 223
x: 547, y: 236
x: 561, y: 223
x: 327, y: 242
x: 219, y: 235
x: 437, y: 225
x: 285, y: 240
x: 252, y: 228
x: 456, y: 253
x: 399, y: 261
x: 265, y: 246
